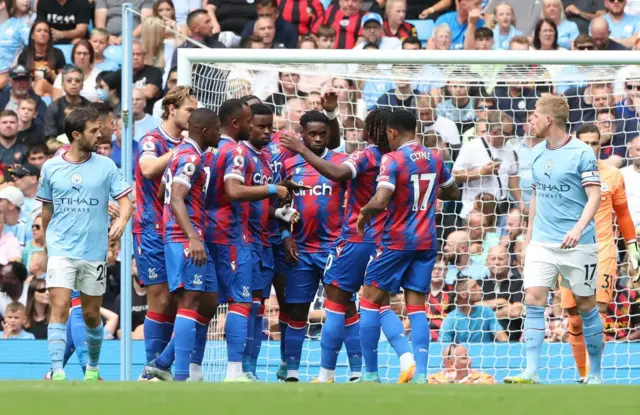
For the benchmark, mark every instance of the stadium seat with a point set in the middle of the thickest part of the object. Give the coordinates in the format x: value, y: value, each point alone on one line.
x: 424, y: 28
x: 114, y: 53
x: 66, y: 50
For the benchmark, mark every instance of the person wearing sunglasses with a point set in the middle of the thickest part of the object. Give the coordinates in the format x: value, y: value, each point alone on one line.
x: 623, y: 26
x: 38, y: 308
x: 34, y: 245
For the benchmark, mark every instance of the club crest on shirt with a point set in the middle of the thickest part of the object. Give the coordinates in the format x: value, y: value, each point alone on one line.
x: 548, y: 165
x: 148, y: 145
x: 238, y: 161
x: 197, y: 279
x: 189, y: 169
x: 297, y: 170
x: 344, y: 22
x: 76, y: 179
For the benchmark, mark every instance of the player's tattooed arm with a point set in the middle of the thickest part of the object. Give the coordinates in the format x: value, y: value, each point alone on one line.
x: 197, y: 252
x: 47, y: 213
x: 335, y: 172
x: 154, y: 167
x: 376, y: 205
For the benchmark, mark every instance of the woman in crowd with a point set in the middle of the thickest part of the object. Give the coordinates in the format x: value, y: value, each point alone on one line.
x: 41, y: 58
x: 567, y: 31
x: 440, y: 39
x: 38, y: 308
x: 36, y: 244
x: 395, y: 24
x: 545, y: 36
x: 83, y: 56
x: 108, y: 88
x: 158, y: 35
x: 14, y: 35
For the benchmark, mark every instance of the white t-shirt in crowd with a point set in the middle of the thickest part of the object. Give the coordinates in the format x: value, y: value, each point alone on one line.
x: 473, y: 155
x: 88, y: 87
x: 632, y: 182
x: 447, y: 130
x: 5, y: 300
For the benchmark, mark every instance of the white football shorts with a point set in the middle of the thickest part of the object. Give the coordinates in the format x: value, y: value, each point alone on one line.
x: 88, y: 277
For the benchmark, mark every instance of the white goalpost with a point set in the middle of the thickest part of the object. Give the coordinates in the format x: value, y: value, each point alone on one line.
x: 461, y: 88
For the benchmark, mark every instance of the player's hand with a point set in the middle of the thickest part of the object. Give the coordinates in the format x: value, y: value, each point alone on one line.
x: 291, y: 185
x: 197, y: 252
x: 114, y: 210
x: 634, y: 261
x: 474, y: 16
x: 117, y: 229
x: 571, y: 239
x: 292, y: 142
x: 363, y: 220
x: 287, y: 214
x: 329, y: 101
x: 282, y: 192
x: 290, y: 250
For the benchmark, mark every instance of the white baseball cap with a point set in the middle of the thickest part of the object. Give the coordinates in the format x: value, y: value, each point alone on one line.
x: 13, y: 195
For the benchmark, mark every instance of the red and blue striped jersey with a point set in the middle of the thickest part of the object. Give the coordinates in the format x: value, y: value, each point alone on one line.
x: 321, y: 207
x: 258, y: 174
x: 148, y: 214
x: 227, y: 222
x: 187, y: 168
x: 365, y: 167
x: 277, y: 156
x: 414, y: 174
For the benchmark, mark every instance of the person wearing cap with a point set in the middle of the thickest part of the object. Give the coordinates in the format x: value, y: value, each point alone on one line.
x: 11, y: 201
x: 26, y: 180
x: 19, y: 90
x: 373, y: 32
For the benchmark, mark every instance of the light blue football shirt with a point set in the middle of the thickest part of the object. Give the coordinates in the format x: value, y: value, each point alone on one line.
x: 625, y: 28
x: 80, y: 195
x: 559, y: 178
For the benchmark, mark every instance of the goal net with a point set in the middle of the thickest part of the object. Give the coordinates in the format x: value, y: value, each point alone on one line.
x: 459, y: 104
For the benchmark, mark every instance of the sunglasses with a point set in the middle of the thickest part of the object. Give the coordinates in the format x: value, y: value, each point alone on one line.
x: 632, y: 87
x: 41, y: 290
x: 617, y: 1
x: 36, y: 227
x: 589, y: 47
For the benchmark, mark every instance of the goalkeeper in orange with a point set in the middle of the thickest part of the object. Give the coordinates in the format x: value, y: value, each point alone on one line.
x: 613, y: 200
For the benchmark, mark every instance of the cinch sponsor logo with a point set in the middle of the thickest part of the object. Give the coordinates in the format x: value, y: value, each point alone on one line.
x: 260, y: 178
x: 276, y: 166
x: 319, y: 190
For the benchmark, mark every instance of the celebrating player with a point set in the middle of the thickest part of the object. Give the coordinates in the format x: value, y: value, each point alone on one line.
x: 410, y: 177
x: 227, y: 230
x: 148, y: 226
x: 561, y: 237
x: 613, y: 199
x: 350, y: 253
x: 321, y: 212
x: 79, y: 183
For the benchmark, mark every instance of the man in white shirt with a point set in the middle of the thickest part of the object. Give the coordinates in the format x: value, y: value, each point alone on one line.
x: 373, y: 32
x: 430, y: 121
x: 631, y: 176
x: 484, y: 165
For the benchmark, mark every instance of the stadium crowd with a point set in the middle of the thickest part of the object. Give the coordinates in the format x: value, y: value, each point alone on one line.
x: 58, y: 55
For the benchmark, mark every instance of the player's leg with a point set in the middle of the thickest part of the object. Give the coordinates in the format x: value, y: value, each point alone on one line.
x: 352, y: 342
x: 576, y: 337
x: 416, y: 284
x: 540, y: 274
x: 256, y: 293
x: 279, y: 282
x: 206, y: 311
x: 61, y: 277
x: 78, y: 334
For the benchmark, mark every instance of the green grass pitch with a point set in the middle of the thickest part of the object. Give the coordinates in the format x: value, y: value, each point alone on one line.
x: 116, y: 398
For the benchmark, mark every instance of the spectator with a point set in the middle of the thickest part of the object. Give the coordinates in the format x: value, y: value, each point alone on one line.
x: 15, y: 35
x: 420, y: 9
x: 14, y: 319
x: 146, y: 77
x: 438, y: 300
x: 305, y: 15
x: 19, y: 90
x: 582, y: 12
x: 457, y: 369
x: 567, y: 31
x: 200, y: 27
x: 69, y: 19
x: 348, y: 97
x: 612, y: 142
x: 82, y: 57
x: 230, y: 15
x: 9, y: 247
x: 545, y: 36
x: 457, y: 105
x: 108, y: 16
x: 11, y: 152
x: 292, y: 112
x: 600, y: 34
x: 288, y: 87
x: 345, y: 16
x: 109, y: 84
x: 483, y: 105
x: 482, y: 233
x: 12, y: 283
x: 307, y: 42
x: 627, y: 110
x: 106, y: 149
x: 631, y: 175
x: 72, y: 78
x: 430, y: 121
x: 516, y: 99
x: 505, y: 29
x: 519, y: 43
x: 623, y: 27
x: 100, y: 41
x: 41, y: 59
x: 623, y: 315
x: 139, y: 306
x: 503, y: 292
x: 352, y: 133
x: 584, y: 102
x: 142, y: 122
x: 469, y: 321
x: 441, y: 38
x: 29, y: 133
x: 395, y: 24
x: 26, y: 180
x: 11, y: 202
x: 172, y: 82
x: 37, y: 155
x: 524, y: 152
x: 326, y: 37
x: 265, y: 29
x: 514, y: 228
x: 158, y: 41
x: 38, y: 309
x: 468, y: 14
x: 525, y: 13
x: 116, y: 144
x: 286, y: 34
x: 34, y: 245
x: 482, y: 39
x: 460, y: 263
x: 402, y: 96
x: 373, y: 33
x: 38, y: 265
